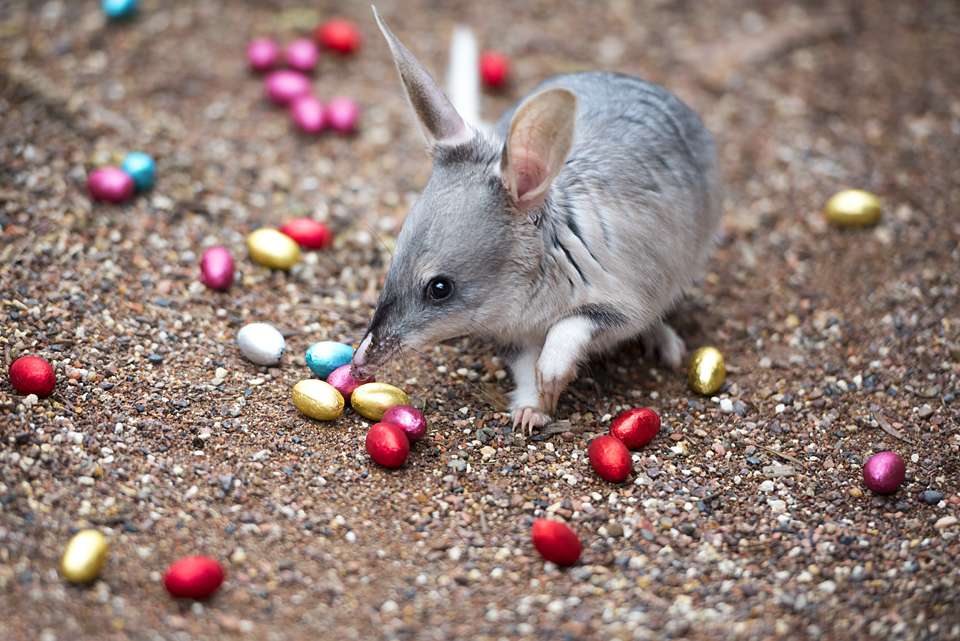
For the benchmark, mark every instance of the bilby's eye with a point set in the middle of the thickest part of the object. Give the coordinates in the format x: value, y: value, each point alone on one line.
x: 439, y: 288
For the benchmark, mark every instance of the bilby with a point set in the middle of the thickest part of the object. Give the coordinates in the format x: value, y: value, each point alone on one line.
x: 570, y: 226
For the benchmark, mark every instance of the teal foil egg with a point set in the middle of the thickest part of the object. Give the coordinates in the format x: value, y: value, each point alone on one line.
x: 119, y: 8
x: 326, y: 356
x: 141, y: 168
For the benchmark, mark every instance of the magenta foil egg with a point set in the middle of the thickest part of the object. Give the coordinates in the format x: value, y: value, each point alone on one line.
x: 343, y: 380
x: 216, y: 268
x: 285, y: 86
x: 884, y: 472
x: 308, y: 114
x: 409, y: 418
x: 110, y: 184
x: 262, y: 54
x: 342, y: 114
x: 302, y: 54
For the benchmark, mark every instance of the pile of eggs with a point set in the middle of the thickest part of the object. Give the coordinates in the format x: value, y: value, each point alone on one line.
x: 117, y: 185
x: 290, y: 87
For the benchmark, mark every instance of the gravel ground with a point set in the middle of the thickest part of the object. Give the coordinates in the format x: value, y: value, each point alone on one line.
x: 745, y: 519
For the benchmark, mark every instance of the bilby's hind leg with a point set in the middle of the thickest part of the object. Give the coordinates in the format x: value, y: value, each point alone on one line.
x: 662, y: 341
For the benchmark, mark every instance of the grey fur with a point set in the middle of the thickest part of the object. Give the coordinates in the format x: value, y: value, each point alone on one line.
x: 627, y: 225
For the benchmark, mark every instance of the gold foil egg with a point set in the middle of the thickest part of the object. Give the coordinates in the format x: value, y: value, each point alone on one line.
x: 318, y: 399
x: 707, y: 372
x: 84, y: 556
x: 273, y: 249
x: 373, y: 399
x: 853, y: 208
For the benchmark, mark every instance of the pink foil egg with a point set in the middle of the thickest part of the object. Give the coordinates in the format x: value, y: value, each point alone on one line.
x: 110, y: 184
x: 302, y: 54
x: 410, y: 419
x: 285, y: 86
x: 216, y: 268
x: 342, y: 114
x: 308, y: 114
x: 343, y: 380
x: 262, y: 54
x: 884, y: 472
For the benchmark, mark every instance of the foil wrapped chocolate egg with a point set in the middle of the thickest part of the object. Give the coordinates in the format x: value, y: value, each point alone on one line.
x: 216, y: 268
x: 263, y: 54
x: 371, y: 400
x: 110, y: 185
x: 309, y: 233
x: 317, y: 399
x: 141, y: 168
x: 556, y: 542
x: 273, y: 249
x: 636, y: 427
x: 884, y: 472
x: 285, y: 86
x: 853, y: 208
x: 610, y: 458
x: 84, y: 557
x: 409, y: 418
x: 119, y: 9
x: 193, y: 577
x: 342, y: 379
x: 338, y: 35
x: 342, y: 114
x: 707, y: 372
x: 324, y: 357
x: 261, y: 343
x: 494, y: 69
x: 387, y: 445
x: 302, y: 54
x: 309, y: 114
x: 33, y: 375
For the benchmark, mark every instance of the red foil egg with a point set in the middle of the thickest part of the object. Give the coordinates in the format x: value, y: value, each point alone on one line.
x: 610, y: 458
x: 302, y: 54
x: 262, y: 54
x: 308, y: 114
x: 409, y: 419
x: 556, y: 542
x: 110, y: 184
x: 387, y: 445
x: 636, y: 427
x: 343, y: 380
x: 193, y: 577
x: 494, y: 69
x: 33, y: 375
x: 309, y: 233
x: 342, y: 114
x: 285, y: 86
x: 216, y: 268
x: 884, y: 472
x: 338, y: 35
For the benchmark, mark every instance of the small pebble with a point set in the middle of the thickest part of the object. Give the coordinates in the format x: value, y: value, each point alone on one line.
x: 309, y: 233
x: 342, y: 114
x: 117, y: 9
x: 284, y: 86
x: 318, y: 400
x: 408, y: 418
x: 84, y: 557
x: 270, y: 248
x: 33, y: 375
x: 141, y: 168
x: 193, y: 577
x: 707, y: 372
x: 342, y: 379
x: 324, y: 357
x: 884, y: 472
x: 556, y: 542
x: 931, y: 497
x: 372, y: 400
x: 111, y: 185
x: 261, y: 343
x: 309, y: 114
x: 944, y: 522
x: 494, y: 69
x: 216, y: 268
x: 263, y: 54
x: 302, y: 54
x: 853, y: 208
x: 338, y: 35
x: 387, y: 445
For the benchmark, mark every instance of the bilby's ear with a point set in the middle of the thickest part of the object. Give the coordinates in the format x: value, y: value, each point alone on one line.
x: 541, y: 134
x: 440, y: 122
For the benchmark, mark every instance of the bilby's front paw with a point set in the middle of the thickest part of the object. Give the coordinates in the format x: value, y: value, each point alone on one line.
x: 551, y: 381
x: 529, y: 419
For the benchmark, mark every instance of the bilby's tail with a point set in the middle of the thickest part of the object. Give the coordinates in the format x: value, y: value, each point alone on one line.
x: 463, y: 75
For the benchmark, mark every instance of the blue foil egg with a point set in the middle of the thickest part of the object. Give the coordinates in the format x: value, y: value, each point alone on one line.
x: 119, y: 8
x: 326, y: 356
x: 141, y: 168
